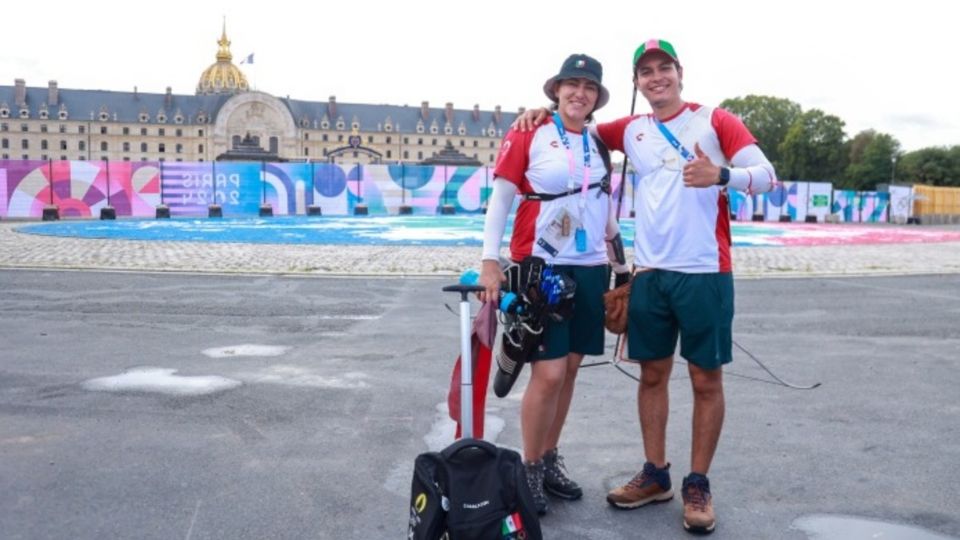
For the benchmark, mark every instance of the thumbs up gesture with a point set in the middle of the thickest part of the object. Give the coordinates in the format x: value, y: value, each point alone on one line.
x: 701, y: 172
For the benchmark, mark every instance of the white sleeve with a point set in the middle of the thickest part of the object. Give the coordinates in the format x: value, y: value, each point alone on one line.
x: 498, y: 207
x: 752, y: 171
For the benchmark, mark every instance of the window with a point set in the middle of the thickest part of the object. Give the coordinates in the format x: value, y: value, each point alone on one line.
x: 43, y: 144
x: 339, y: 138
x: 25, y: 144
x: 474, y: 144
x: 81, y: 158
x: 161, y: 132
x: 143, y: 147
x: 162, y: 148
x: 388, y: 154
x: 388, y: 140
x: 406, y: 140
x: 420, y: 140
x: 81, y: 129
x: 370, y: 139
x: 4, y: 127
x: 419, y: 155
x: 200, y: 148
x: 355, y: 154
x: 63, y: 158
x: 306, y: 136
x: 63, y: 145
x: 103, y: 146
x: 406, y: 154
x: 44, y: 157
x: 43, y: 128
x: 63, y: 128
x: 103, y: 130
x: 5, y: 143
x: 24, y: 127
x: 6, y: 156
x: 324, y: 137
x: 179, y: 148
x: 81, y: 145
x: 199, y: 133
x: 126, y: 131
x: 492, y: 158
x: 104, y: 158
x: 306, y: 151
x: 143, y: 131
x: 126, y: 158
x: 126, y: 147
x: 492, y: 144
x: 433, y: 142
x: 179, y: 132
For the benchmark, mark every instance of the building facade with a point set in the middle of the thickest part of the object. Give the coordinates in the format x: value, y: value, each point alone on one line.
x: 52, y: 123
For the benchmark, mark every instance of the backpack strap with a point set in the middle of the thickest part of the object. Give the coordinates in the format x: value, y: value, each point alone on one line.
x: 449, y: 452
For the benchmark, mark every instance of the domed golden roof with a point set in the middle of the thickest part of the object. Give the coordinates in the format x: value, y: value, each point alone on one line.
x: 222, y: 77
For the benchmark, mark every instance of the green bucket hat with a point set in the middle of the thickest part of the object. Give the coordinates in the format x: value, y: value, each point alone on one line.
x: 579, y: 66
x: 652, y: 45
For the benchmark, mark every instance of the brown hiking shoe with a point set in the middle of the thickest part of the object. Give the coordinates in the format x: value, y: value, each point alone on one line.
x: 698, y: 517
x: 651, y: 485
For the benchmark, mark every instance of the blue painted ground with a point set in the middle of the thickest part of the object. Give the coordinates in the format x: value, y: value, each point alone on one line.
x: 392, y: 230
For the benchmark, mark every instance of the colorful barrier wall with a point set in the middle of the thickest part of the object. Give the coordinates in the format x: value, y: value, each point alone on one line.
x: 82, y: 188
x: 936, y: 204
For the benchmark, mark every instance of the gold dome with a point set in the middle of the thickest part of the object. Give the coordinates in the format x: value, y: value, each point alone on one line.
x: 223, y: 77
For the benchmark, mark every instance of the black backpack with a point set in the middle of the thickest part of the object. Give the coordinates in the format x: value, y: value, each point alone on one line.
x: 471, y: 490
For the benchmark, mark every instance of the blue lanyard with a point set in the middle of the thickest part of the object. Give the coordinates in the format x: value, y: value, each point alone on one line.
x: 586, y: 157
x: 673, y: 140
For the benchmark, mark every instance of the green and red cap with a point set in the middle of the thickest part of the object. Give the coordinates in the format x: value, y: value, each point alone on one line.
x: 652, y: 45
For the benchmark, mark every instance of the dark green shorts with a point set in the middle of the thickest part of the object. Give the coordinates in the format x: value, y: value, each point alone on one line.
x: 697, y: 307
x: 583, y: 332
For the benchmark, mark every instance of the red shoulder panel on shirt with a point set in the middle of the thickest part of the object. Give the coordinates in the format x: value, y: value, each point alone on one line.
x: 611, y: 133
x: 731, y: 132
x: 514, y: 156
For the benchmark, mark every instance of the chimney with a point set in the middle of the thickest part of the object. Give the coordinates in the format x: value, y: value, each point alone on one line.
x: 425, y: 110
x: 476, y: 113
x: 53, y: 94
x: 136, y: 96
x: 449, y: 112
x: 332, y: 107
x: 20, y: 92
x: 497, y: 115
x: 168, y: 99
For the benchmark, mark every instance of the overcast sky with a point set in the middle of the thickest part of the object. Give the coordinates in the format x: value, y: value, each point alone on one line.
x: 890, y: 66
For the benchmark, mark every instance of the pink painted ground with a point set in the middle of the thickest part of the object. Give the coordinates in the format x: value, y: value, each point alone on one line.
x: 809, y: 234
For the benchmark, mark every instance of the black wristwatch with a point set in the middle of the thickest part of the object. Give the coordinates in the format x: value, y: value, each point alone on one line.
x: 724, y: 176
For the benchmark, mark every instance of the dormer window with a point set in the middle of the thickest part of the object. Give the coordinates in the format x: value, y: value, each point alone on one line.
x: 448, y: 129
x: 24, y: 113
x: 44, y: 114
x: 104, y: 116
x: 62, y: 115
x: 388, y: 127
x: 4, y: 112
x: 462, y: 130
x: 420, y: 126
x: 355, y: 125
x: 161, y: 117
x: 201, y: 118
x: 341, y: 124
x: 178, y: 119
x: 144, y: 118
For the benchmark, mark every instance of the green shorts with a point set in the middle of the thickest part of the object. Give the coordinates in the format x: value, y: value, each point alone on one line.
x: 697, y: 307
x: 560, y: 338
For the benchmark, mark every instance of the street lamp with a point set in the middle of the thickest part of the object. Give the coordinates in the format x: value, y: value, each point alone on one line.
x: 893, y: 168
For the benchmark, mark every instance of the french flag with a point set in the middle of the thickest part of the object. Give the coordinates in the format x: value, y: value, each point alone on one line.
x: 248, y: 59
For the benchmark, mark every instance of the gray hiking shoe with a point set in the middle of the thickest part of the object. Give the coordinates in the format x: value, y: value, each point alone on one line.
x: 534, y: 473
x: 555, y: 479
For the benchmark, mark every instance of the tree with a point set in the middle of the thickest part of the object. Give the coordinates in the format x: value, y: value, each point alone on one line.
x: 768, y: 118
x: 814, y: 148
x: 932, y: 166
x: 871, y: 160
